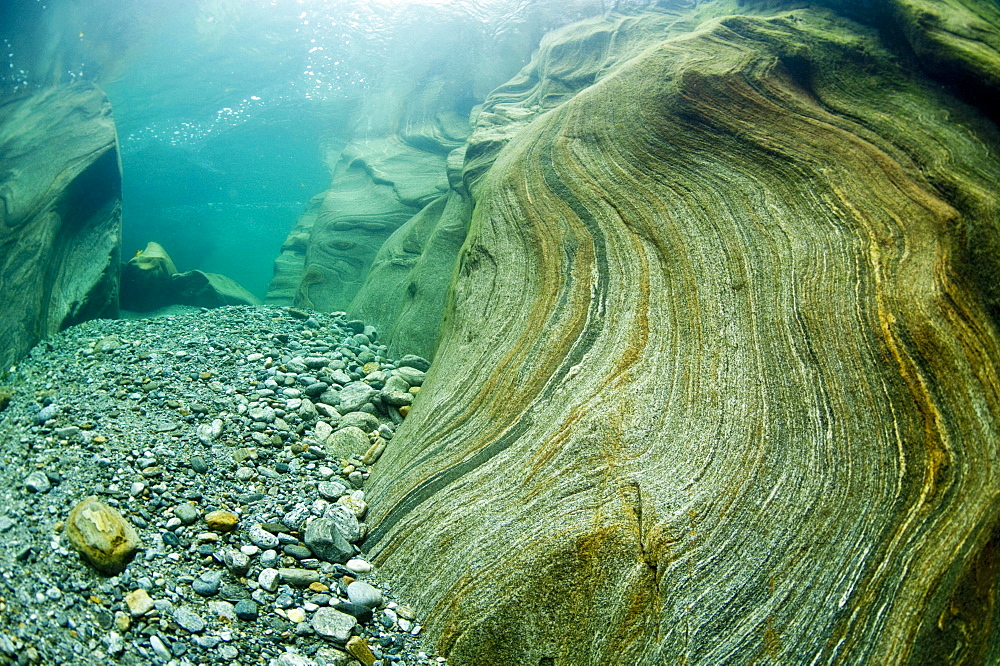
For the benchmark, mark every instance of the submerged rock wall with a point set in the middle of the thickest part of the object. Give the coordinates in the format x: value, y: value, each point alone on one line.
x: 60, y: 215
x: 719, y: 375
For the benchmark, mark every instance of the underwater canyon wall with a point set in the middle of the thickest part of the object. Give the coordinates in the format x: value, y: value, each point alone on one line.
x: 719, y: 373
x: 60, y: 214
x: 381, y: 242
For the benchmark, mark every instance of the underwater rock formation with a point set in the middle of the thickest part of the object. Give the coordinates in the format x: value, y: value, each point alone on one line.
x: 210, y: 290
x: 719, y: 375
x: 409, y: 277
x: 146, y: 279
x: 60, y: 215
x: 398, y: 168
x: 150, y: 281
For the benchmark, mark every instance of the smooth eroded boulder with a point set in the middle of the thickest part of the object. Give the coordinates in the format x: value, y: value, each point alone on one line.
x: 102, y: 536
x: 210, y: 290
x: 146, y: 279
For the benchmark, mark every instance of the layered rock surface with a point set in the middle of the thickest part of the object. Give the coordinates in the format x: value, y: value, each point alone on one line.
x: 718, y: 376
x: 60, y: 215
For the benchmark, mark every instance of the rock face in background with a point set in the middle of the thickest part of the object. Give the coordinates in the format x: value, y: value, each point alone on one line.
x: 393, y: 171
x: 60, y: 215
x: 719, y: 375
x: 401, y: 169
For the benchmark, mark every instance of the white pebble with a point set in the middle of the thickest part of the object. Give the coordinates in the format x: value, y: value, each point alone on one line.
x: 358, y: 566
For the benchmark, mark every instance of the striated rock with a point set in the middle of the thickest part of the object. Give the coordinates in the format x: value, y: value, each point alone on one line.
x: 101, y: 535
x: 717, y: 380
x: 403, y: 159
x: 60, y: 215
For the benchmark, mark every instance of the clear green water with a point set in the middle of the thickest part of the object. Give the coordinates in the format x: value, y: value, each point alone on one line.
x: 231, y: 113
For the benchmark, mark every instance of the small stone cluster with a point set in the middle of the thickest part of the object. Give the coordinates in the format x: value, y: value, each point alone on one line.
x: 209, y: 469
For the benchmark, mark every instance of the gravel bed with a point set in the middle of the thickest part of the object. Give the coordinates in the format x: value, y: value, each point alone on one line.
x: 236, y: 442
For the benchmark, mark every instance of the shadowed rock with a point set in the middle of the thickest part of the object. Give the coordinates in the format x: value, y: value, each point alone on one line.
x: 718, y: 380
x: 60, y: 215
x: 146, y: 279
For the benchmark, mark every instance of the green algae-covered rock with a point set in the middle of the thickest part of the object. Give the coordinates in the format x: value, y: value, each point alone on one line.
x: 718, y: 375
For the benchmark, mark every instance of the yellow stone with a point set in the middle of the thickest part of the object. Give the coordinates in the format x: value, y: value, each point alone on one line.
x: 404, y: 410
x: 318, y: 587
x: 370, y: 367
x: 360, y: 650
x: 221, y: 520
x: 139, y: 602
x: 102, y: 536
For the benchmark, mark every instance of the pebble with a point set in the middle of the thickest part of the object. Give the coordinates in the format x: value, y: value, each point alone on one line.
x: 356, y: 506
x: 261, y: 537
x: 246, y: 610
x: 139, y: 602
x: 331, y: 490
x: 414, y: 361
x: 354, y: 395
x: 358, y: 566
x: 360, y: 650
x: 363, y: 594
x: 222, y: 610
x: 189, y: 620
x: 37, y: 482
x: 221, y: 521
x: 324, y: 538
x: 209, y: 432
x: 363, y: 614
x: 235, y: 561
x: 268, y: 579
x: 410, y: 375
x: 160, y: 648
x: 298, y: 577
x: 331, y: 623
x: 208, y: 583
x: 186, y: 513
x: 99, y: 532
